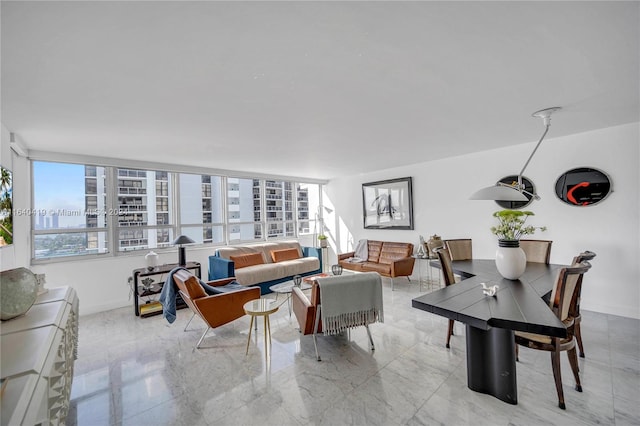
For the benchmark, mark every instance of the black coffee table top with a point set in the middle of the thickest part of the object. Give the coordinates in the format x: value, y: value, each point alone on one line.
x: 518, y: 304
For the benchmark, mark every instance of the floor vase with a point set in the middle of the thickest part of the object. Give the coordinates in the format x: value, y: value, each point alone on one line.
x: 510, y: 259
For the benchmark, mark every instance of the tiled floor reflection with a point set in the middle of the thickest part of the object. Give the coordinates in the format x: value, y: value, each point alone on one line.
x: 133, y: 371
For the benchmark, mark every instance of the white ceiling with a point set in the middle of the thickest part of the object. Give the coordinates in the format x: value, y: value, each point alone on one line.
x: 312, y: 89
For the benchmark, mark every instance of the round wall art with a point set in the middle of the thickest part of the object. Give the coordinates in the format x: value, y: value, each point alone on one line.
x: 529, y: 187
x: 583, y: 186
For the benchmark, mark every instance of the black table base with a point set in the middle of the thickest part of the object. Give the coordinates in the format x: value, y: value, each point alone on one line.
x: 491, y: 363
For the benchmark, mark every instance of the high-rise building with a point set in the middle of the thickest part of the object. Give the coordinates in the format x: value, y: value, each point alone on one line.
x: 95, y: 208
x: 143, y: 200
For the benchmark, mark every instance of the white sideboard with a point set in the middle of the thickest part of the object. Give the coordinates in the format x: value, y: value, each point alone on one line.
x: 38, y: 351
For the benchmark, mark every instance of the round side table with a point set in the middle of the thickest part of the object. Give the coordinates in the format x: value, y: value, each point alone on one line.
x: 261, y: 308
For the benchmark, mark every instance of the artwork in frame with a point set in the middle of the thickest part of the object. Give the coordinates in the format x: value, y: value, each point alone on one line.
x: 388, y: 204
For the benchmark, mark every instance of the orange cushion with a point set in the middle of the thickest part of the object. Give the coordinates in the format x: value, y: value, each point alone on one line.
x: 244, y: 260
x: 192, y: 288
x: 285, y: 254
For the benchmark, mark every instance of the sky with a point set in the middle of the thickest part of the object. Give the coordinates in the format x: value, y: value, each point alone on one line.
x: 59, y: 187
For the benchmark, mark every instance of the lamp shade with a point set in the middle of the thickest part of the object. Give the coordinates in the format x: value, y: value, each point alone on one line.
x: 499, y: 193
x: 183, y: 239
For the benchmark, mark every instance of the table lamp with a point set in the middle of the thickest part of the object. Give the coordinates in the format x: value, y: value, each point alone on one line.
x: 180, y: 242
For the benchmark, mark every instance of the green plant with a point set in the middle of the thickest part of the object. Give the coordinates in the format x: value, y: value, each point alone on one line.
x: 512, y: 224
x: 322, y: 237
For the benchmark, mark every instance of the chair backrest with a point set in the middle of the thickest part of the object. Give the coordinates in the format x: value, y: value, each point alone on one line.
x: 445, y: 264
x: 563, y: 296
x: 575, y: 304
x: 585, y: 255
x: 459, y: 249
x: 189, y: 288
x: 538, y: 251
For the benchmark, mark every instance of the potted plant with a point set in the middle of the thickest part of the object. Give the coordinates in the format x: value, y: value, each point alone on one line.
x: 510, y: 258
x: 323, y: 240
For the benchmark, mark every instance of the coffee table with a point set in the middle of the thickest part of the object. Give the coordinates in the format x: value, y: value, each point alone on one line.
x: 260, y: 308
x: 287, y: 288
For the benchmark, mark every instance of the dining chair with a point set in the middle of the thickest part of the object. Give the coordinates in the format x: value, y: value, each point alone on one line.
x: 447, y: 272
x: 538, y: 251
x: 459, y: 249
x: 562, y: 304
x: 586, y: 255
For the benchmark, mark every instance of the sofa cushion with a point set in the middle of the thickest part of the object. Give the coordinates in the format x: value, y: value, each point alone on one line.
x: 394, y: 251
x: 381, y: 268
x: 245, y: 260
x: 374, y: 248
x: 260, y: 273
x: 300, y: 266
x: 285, y: 254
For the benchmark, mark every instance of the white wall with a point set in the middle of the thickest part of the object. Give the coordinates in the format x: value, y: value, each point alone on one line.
x: 441, y: 190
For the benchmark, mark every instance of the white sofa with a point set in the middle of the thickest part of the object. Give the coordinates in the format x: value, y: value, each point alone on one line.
x: 265, y: 264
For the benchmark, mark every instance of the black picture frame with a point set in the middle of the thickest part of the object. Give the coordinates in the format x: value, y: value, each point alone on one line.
x: 388, y: 204
x: 513, y: 181
x: 583, y: 186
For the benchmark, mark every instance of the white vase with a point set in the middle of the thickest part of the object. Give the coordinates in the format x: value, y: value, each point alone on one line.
x: 152, y: 260
x: 510, y: 259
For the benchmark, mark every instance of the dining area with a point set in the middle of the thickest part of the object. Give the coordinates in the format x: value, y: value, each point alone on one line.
x: 537, y: 306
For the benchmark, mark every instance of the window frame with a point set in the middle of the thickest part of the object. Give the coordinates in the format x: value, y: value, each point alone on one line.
x: 112, y: 227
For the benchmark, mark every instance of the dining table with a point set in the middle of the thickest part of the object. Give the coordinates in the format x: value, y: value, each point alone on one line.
x: 518, y: 305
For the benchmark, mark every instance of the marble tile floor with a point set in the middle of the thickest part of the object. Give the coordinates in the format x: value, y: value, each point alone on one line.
x: 133, y: 371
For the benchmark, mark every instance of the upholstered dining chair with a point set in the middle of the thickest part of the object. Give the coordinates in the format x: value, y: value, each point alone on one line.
x: 459, y: 249
x: 538, y: 251
x: 562, y: 303
x: 586, y: 255
x: 449, y: 278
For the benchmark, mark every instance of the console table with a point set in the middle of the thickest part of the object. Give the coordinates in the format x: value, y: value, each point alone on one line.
x: 148, y: 283
x: 491, y: 321
x: 38, y: 352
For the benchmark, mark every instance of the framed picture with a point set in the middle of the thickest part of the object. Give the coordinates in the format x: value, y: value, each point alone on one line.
x: 584, y: 186
x: 388, y: 204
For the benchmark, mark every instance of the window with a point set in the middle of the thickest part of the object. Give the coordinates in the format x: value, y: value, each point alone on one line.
x: 201, y: 207
x: 279, y: 208
x: 144, y: 207
x: 308, y: 199
x: 244, y: 209
x: 69, y: 216
x: 99, y: 210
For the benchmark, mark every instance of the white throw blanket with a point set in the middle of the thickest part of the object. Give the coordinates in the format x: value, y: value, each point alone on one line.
x: 361, y: 253
x: 350, y: 300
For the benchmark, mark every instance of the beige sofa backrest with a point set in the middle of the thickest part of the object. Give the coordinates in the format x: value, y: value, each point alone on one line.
x: 263, y: 248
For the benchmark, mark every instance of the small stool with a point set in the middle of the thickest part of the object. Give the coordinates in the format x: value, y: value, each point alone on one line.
x: 260, y: 308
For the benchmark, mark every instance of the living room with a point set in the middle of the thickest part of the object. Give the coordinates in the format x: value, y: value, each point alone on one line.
x: 581, y: 56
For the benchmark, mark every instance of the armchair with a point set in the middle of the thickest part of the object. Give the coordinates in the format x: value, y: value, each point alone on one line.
x: 350, y: 300
x: 215, y: 310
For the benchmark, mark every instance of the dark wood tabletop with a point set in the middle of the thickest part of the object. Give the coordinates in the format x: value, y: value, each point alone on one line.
x: 518, y: 305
